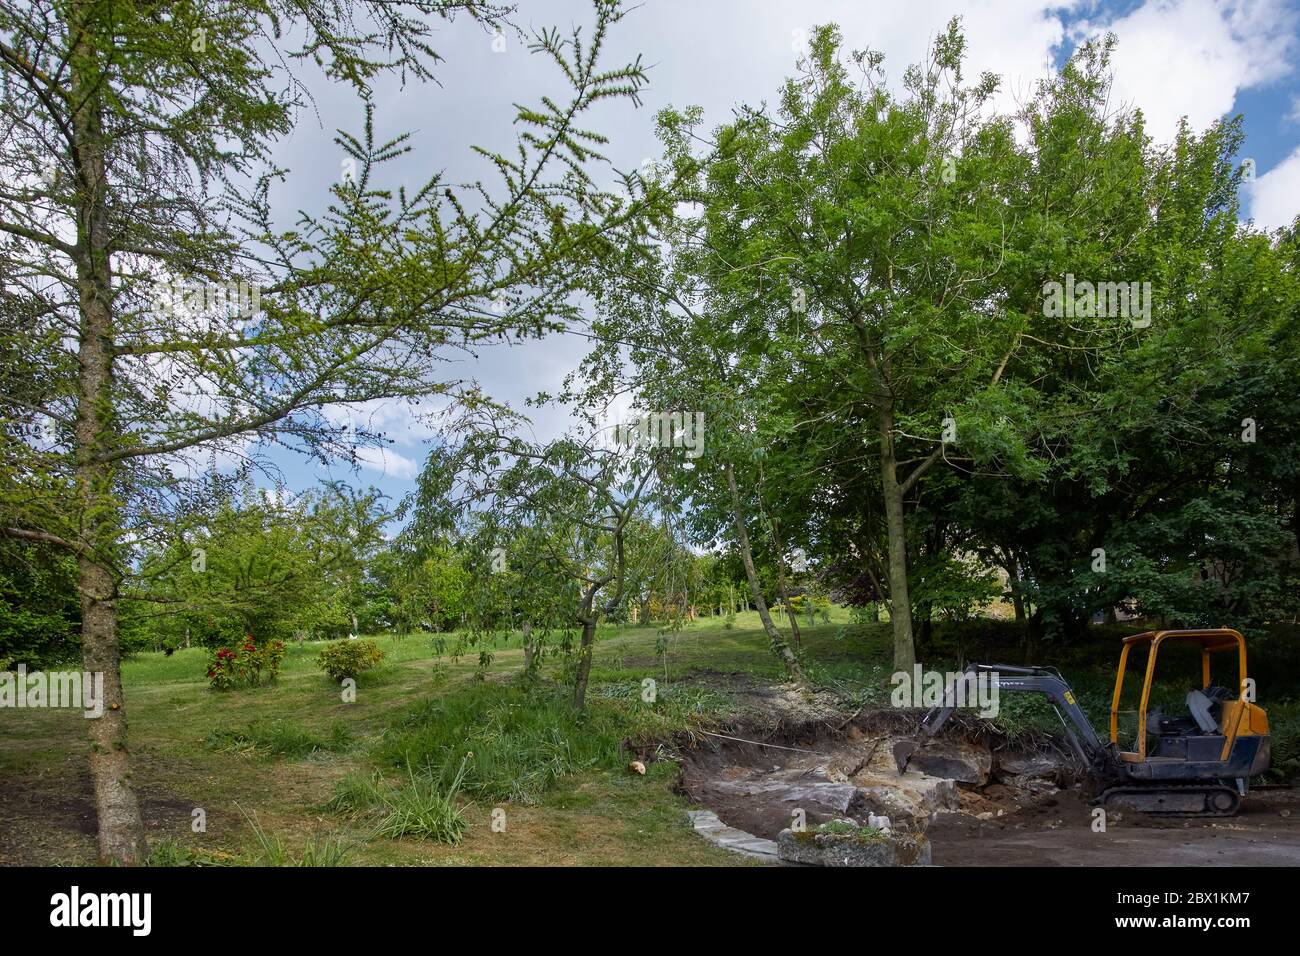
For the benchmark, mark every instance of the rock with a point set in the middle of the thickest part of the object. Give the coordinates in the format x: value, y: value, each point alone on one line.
x: 707, y: 824
x: 1022, y: 764
x: 911, y: 802
x: 954, y: 760
x: 853, y: 847
x: 1033, y: 784
x: 813, y: 797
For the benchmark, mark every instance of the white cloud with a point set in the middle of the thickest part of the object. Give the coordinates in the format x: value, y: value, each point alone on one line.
x: 407, y: 424
x: 1192, y: 58
x: 387, y: 462
x: 1275, y: 197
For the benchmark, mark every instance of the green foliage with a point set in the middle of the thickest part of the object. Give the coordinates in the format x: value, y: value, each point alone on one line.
x: 348, y: 658
x: 954, y: 587
x: 273, y: 566
x: 39, y: 610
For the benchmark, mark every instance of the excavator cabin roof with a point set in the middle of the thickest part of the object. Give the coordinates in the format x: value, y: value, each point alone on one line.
x: 1210, y: 639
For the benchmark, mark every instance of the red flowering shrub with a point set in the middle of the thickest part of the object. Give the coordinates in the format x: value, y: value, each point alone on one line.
x: 246, y: 664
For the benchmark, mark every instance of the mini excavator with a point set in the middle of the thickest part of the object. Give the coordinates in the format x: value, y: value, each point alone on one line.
x: 1197, y: 764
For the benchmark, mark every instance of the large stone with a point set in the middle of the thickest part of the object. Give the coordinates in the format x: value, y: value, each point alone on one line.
x: 1013, y: 763
x: 911, y: 798
x: 812, y: 796
x: 709, y: 826
x: 853, y: 847
x: 954, y: 760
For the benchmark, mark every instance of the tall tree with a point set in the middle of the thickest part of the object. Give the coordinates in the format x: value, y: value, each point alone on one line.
x: 862, y: 233
x: 571, y: 502
x: 178, y: 322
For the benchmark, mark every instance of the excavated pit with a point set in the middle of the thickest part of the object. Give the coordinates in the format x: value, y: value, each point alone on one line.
x: 758, y: 781
x: 1017, y: 802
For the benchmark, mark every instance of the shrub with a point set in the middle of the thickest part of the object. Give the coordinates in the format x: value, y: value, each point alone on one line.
x: 344, y: 659
x: 424, y: 810
x: 245, y: 664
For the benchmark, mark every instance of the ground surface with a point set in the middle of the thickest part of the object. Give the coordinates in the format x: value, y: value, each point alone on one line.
x: 594, y: 813
x: 1062, y: 836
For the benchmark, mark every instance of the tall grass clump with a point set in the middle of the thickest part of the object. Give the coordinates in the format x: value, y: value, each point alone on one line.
x: 422, y: 807
x: 279, y: 736
x: 513, y: 741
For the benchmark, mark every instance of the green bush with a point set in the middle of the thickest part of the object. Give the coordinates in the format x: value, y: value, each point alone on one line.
x: 348, y: 658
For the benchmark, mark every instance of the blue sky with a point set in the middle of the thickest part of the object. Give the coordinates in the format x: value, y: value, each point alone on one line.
x: 1201, y: 58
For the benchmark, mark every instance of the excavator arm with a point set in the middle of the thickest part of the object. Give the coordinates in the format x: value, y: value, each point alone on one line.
x: 1047, y: 681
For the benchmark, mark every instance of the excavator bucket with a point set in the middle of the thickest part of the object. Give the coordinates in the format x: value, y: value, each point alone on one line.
x: 903, y: 751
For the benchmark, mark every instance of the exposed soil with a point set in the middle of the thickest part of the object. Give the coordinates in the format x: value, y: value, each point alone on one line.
x: 1057, y: 831
x: 51, y: 818
x: 1031, y: 810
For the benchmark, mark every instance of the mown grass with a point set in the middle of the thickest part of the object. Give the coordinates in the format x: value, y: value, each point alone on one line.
x: 412, y: 771
x: 280, y: 751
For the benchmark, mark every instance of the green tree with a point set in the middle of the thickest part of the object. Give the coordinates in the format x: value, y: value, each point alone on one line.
x: 130, y: 131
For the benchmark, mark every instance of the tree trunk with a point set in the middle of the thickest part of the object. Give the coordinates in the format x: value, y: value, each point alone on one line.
x: 121, y: 832
x: 1012, y: 565
x: 900, y: 606
x: 779, y: 646
x: 584, y: 663
x: 1033, y: 636
x: 528, y: 648
x: 780, y: 581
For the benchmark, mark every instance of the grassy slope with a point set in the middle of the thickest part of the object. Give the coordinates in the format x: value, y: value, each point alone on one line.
x: 184, y: 761
x: 195, y: 748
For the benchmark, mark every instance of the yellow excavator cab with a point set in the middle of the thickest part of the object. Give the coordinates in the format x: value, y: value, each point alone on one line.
x: 1238, y: 716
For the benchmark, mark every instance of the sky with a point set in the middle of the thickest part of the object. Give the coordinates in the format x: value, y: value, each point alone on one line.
x: 1203, y: 59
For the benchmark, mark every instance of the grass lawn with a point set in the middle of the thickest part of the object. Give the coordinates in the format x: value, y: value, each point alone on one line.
x: 290, y: 771
x: 273, y: 756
